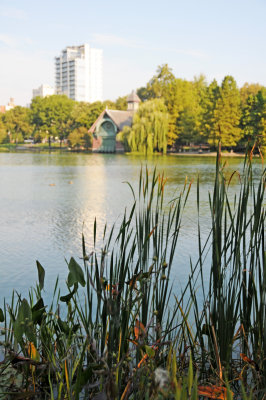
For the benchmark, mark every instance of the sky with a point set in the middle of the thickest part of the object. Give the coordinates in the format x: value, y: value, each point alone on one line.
x: 210, y: 37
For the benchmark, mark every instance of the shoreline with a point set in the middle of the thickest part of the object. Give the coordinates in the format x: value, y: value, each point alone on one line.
x: 210, y: 154
x: 40, y: 149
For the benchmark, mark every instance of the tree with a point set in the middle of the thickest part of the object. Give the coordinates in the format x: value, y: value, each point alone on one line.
x: 254, y: 120
x: 149, y: 129
x: 4, y: 138
x: 163, y: 86
x: 208, y: 103
x: 109, y: 104
x: 52, y: 116
x: 94, y: 111
x: 80, y: 114
x: 85, y: 114
x: 143, y: 94
x: 158, y: 86
x: 17, y: 123
x: 227, y: 114
x: 80, y: 137
x: 121, y: 103
x: 190, y: 110
x: 248, y: 89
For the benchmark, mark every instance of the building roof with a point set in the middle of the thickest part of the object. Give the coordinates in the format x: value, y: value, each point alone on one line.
x: 133, y: 97
x: 120, y: 118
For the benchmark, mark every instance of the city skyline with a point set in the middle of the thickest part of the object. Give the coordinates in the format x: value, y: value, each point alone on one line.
x: 194, y: 38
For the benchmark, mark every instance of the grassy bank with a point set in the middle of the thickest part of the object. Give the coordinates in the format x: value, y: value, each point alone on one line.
x: 11, y: 147
x: 54, y: 147
x: 121, y: 330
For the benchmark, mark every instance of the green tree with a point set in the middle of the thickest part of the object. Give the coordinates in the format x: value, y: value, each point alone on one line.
x: 4, y: 138
x: 190, y: 110
x: 227, y: 114
x: 96, y: 109
x: 208, y: 103
x: 149, y: 129
x: 52, y: 116
x: 85, y: 114
x: 158, y: 86
x: 248, y: 89
x: 109, y: 104
x: 121, y: 103
x: 17, y: 124
x: 143, y: 94
x: 80, y: 114
x: 80, y: 137
x: 254, y: 120
x: 164, y: 86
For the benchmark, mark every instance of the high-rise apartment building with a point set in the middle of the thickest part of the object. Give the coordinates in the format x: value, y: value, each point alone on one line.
x: 79, y: 73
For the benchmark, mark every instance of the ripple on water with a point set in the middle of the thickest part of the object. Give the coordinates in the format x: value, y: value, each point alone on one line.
x: 45, y: 222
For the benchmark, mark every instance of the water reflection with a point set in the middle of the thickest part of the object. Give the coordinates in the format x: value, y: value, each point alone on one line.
x: 44, y: 222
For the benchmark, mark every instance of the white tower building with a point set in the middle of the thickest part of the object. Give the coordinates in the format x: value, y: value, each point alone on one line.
x: 79, y: 73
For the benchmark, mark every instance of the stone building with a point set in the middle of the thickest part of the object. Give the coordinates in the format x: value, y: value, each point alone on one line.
x: 109, y: 124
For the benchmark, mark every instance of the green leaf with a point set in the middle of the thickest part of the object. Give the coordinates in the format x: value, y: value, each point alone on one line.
x: 37, y: 311
x: 190, y: 375
x: 41, y: 274
x: 63, y: 326
x: 76, y: 274
x: 150, y: 351
x: 69, y: 296
x: 23, y: 323
x: 2, y: 317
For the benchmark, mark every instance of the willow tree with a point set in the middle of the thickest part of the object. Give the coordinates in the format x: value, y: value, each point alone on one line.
x: 163, y: 85
x: 149, y: 129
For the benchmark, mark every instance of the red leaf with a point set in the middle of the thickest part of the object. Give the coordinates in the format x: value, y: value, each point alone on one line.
x: 139, y: 329
x: 213, y: 392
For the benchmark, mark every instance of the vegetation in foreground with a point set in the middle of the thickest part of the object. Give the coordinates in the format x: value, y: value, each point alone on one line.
x: 122, y: 330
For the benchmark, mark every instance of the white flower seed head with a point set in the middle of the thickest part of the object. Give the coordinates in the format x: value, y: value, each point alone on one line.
x: 161, y: 377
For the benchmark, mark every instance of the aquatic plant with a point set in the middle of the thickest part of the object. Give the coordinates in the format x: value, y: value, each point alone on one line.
x: 122, y: 331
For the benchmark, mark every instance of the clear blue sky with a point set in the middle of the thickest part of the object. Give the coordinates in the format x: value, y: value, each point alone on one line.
x: 209, y: 37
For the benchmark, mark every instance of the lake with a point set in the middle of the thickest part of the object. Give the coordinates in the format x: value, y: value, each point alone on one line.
x: 48, y: 200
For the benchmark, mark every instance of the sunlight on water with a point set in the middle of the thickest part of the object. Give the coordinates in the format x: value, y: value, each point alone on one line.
x: 48, y: 200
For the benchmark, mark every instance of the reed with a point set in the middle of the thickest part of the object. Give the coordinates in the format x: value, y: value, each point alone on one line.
x: 122, y: 332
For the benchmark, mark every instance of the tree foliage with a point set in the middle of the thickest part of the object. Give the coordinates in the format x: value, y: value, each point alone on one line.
x: 17, y: 124
x: 85, y: 114
x: 194, y: 112
x: 149, y: 130
x: 254, y: 120
x: 80, y: 137
x: 51, y: 115
x: 227, y: 114
x: 4, y: 138
x: 121, y: 103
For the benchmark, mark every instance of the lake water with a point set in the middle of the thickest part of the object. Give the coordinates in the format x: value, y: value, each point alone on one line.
x: 47, y: 200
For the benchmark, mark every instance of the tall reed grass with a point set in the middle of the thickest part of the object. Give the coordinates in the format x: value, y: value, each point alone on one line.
x: 121, y: 331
